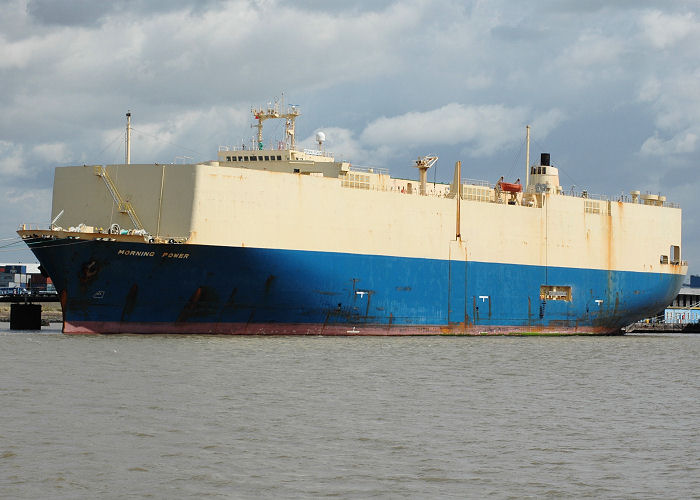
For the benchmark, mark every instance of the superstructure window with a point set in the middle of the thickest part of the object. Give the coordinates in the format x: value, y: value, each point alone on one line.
x: 591, y: 207
x: 228, y: 158
x: 279, y: 157
x: 355, y: 180
x: 267, y: 158
x: 550, y: 292
x: 245, y: 158
x: 233, y: 158
x: 253, y: 158
x: 240, y: 158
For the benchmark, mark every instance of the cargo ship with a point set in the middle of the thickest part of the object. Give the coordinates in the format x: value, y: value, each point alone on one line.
x: 272, y: 239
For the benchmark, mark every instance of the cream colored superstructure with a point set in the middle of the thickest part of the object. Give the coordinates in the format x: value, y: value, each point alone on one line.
x: 307, y: 201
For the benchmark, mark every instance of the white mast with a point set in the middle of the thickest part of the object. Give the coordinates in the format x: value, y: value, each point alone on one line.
x: 527, y: 156
x: 458, y: 177
x: 128, y: 137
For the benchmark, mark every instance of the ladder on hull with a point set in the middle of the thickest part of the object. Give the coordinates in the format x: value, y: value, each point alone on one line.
x: 124, y: 207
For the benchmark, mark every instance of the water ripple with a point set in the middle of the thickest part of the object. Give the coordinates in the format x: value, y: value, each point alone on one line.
x: 249, y: 417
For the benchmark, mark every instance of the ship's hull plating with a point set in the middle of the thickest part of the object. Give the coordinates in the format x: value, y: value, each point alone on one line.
x: 120, y: 287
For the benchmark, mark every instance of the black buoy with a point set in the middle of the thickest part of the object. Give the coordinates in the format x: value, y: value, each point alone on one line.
x: 25, y: 317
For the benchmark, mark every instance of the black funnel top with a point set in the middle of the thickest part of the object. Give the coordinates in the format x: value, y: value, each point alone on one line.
x: 544, y: 159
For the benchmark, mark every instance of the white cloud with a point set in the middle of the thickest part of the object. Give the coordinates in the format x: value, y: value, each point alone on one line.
x: 486, y: 127
x: 675, y: 100
x: 339, y: 141
x: 664, y: 30
x: 593, y: 49
x: 56, y: 152
x: 650, y: 90
x: 29, y: 197
x: 548, y: 121
x: 25, y: 205
x: 187, y: 135
x: 476, y: 82
x: 12, y: 160
x: 684, y: 142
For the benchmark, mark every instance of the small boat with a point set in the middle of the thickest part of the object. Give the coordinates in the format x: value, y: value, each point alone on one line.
x: 511, y: 188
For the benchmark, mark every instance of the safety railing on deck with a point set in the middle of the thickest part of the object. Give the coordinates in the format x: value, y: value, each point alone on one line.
x: 477, y: 182
x: 317, y: 152
x: 369, y: 170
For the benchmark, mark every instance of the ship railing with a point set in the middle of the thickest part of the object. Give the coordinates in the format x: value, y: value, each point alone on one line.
x: 585, y: 194
x: 623, y: 198
x: 478, y: 182
x: 369, y: 170
x: 318, y: 152
x: 235, y: 148
x: 30, y: 226
x: 280, y: 147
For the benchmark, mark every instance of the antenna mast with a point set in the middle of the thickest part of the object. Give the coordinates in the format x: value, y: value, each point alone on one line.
x: 128, y: 137
x: 274, y: 111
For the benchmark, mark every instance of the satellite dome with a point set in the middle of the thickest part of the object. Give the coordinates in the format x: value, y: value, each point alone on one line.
x: 320, y: 137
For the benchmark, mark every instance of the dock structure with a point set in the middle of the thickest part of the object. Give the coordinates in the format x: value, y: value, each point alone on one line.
x: 680, y: 316
x: 662, y: 327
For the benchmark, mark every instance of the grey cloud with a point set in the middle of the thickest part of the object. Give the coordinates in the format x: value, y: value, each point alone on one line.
x: 518, y: 34
x: 68, y: 12
x: 93, y: 12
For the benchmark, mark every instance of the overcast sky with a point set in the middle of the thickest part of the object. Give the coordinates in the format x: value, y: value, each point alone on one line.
x: 610, y: 87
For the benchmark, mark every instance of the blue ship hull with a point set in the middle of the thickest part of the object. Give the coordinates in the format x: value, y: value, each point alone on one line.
x: 114, y: 286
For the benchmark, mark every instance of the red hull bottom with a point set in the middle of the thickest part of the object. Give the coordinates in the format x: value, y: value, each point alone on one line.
x: 93, y: 327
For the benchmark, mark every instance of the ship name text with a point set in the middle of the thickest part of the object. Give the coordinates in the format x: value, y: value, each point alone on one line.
x: 171, y: 255
x: 136, y: 253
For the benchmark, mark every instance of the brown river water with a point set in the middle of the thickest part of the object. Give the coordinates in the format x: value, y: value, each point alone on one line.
x: 129, y: 416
